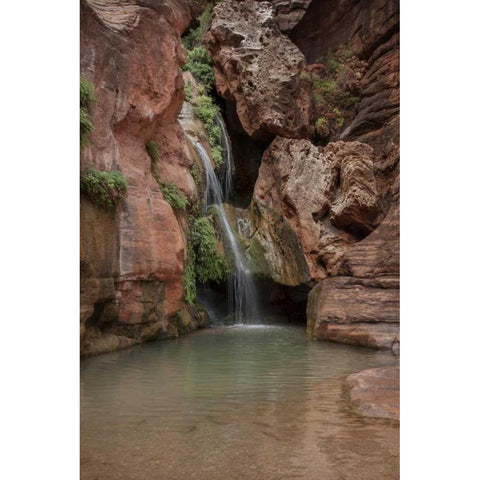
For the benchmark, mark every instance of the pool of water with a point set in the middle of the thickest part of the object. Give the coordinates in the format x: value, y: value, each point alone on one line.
x: 239, y: 402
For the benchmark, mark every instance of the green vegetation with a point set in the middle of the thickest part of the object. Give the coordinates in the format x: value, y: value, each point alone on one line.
x: 217, y: 155
x: 333, y: 103
x: 257, y: 254
x: 338, y: 117
x: 189, y: 283
x: 209, y: 265
x: 199, y: 64
x: 203, y: 263
x: 332, y: 63
x: 195, y: 36
x: 305, y: 75
x: 171, y: 193
x: 188, y: 88
x: 87, y: 94
x: 153, y: 150
x: 196, y: 174
x: 86, y: 126
x: 326, y: 86
x: 321, y: 127
x: 174, y: 196
x: 87, y: 99
x: 105, y: 189
x: 206, y: 111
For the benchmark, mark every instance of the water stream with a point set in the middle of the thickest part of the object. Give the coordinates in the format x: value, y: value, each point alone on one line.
x: 246, y: 402
x: 227, y: 158
x: 243, y: 301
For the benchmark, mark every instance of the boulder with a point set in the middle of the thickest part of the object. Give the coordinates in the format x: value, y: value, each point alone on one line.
x: 259, y: 68
x: 376, y: 392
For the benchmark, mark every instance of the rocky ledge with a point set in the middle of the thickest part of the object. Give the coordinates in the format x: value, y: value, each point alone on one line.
x: 376, y: 392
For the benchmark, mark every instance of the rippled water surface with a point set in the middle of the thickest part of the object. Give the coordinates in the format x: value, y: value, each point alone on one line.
x: 231, y: 402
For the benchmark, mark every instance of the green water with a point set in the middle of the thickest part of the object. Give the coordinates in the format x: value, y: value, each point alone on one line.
x: 231, y: 402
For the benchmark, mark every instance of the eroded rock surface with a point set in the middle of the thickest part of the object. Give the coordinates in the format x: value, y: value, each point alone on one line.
x: 356, y: 296
x: 327, y: 196
x: 259, y: 68
x: 369, y: 31
x: 289, y: 12
x: 376, y: 392
x: 132, y: 259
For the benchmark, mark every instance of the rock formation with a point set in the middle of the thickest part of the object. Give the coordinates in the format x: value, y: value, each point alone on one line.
x: 325, y: 207
x: 328, y: 196
x: 376, y: 392
x: 289, y: 12
x: 366, y: 290
x: 132, y: 259
x: 259, y: 68
x: 329, y: 216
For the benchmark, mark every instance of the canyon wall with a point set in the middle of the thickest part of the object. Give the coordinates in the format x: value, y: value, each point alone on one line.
x: 325, y: 207
x: 132, y: 258
x: 311, y: 87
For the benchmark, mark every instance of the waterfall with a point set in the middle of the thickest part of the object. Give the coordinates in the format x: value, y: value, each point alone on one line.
x: 242, y: 294
x: 227, y: 158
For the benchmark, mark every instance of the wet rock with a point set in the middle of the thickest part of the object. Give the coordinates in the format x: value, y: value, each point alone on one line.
x: 376, y: 392
x: 381, y: 336
x: 97, y: 342
x: 259, y: 68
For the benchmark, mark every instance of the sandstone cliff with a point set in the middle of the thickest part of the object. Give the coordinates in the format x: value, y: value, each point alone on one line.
x: 132, y: 258
x: 310, y: 86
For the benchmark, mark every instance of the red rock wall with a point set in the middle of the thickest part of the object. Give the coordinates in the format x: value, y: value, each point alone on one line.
x: 340, y: 201
x: 361, y: 305
x: 132, y: 260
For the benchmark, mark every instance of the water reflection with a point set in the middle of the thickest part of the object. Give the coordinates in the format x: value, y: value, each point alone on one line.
x: 232, y: 402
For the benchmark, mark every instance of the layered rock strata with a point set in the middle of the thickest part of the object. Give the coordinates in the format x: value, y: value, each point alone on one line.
x: 132, y: 259
x: 343, y: 208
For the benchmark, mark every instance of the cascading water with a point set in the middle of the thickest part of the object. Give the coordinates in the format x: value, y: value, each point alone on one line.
x: 227, y: 158
x: 242, y: 294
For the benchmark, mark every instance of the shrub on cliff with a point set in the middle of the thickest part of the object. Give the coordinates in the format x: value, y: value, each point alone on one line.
x: 174, y: 196
x: 189, y: 278
x: 199, y: 65
x: 153, y: 151
x: 206, y: 111
x: 86, y: 126
x: 87, y: 94
x: 209, y: 265
x: 105, y: 189
x: 194, y: 37
x: 87, y: 99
